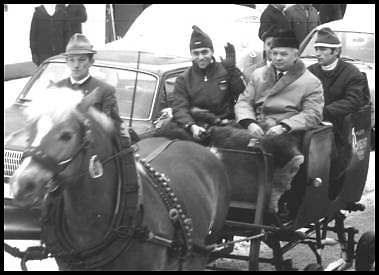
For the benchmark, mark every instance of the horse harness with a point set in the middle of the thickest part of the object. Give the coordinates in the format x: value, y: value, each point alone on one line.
x: 127, y: 217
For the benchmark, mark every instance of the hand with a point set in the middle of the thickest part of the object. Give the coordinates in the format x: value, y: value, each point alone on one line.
x: 230, y: 57
x: 276, y: 130
x: 197, y: 131
x: 256, y: 130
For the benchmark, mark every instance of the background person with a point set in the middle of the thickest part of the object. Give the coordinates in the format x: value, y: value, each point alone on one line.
x: 273, y: 15
x: 267, y: 38
x: 77, y: 15
x: 302, y: 19
x: 49, y: 32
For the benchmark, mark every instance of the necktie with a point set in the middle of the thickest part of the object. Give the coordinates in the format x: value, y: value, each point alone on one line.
x: 280, y: 75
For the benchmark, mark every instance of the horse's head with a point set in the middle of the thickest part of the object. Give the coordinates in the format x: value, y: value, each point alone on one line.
x: 60, y: 134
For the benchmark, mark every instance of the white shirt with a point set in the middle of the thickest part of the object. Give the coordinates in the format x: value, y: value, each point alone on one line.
x: 80, y: 82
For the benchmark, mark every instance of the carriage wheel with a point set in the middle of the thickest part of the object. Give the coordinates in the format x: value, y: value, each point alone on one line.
x: 254, y: 254
x: 313, y: 267
x: 365, y: 252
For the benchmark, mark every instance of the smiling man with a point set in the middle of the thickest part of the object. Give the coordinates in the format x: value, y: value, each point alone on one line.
x: 207, y: 84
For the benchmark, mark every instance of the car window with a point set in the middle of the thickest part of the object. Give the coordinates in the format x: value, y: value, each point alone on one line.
x: 169, y: 89
x: 122, y: 80
x: 356, y: 46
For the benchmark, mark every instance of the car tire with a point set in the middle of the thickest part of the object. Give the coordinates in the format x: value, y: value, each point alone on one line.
x: 365, y: 252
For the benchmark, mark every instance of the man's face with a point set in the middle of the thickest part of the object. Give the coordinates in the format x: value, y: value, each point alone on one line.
x: 283, y: 58
x: 267, y: 47
x: 202, y: 57
x: 79, y: 65
x: 325, y: 56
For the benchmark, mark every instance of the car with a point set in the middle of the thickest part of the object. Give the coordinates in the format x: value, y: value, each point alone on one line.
x: 167, y: 28
x: 152, y: 80
x: 358, y: 48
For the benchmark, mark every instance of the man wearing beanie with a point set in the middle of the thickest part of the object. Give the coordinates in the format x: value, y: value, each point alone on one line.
x: 281, y: 101
x: 208, y: 85
x: 345, y: 91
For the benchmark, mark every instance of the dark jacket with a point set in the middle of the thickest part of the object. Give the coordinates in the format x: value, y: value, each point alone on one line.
x: 214, y: 89
x: 272, y: 16
x: 49, y: 34
x: 330, y: 12
x: 302, y: 19
x: 77, y: 15
x: 345, y: 91
x: 106, y: 102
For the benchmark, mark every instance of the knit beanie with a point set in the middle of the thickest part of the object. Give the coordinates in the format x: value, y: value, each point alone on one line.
x: 200, y: 39
x: 327, y: 38
x: 286, y: 39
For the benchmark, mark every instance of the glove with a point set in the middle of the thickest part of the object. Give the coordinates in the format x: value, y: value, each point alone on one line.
x: 276, y: 130
x: 255, y: 130
x: 197, y: 131
x: 230, y: 57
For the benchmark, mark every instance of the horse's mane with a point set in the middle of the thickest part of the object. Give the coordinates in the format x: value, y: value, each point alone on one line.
x: 57, y: 103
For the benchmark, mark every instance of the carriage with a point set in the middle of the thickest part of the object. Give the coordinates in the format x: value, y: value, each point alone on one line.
x: 310, y: 204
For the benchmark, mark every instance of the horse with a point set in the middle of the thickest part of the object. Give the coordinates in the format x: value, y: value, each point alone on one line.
x: 157, y: 204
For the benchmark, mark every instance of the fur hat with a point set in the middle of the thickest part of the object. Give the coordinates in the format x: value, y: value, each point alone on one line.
x: 200, y: 39
x: 327, y: 38
x: 79, y: 44
x: 286, y: 39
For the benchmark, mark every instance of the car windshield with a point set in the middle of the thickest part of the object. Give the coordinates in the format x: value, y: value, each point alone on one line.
x: 356, y: 46
x: 123, y: 80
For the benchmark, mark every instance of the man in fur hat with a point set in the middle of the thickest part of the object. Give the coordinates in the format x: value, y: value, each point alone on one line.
x: 282, y: 99
x: 345, y: 91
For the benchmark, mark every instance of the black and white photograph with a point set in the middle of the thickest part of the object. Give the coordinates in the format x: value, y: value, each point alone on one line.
x: 206, y: 137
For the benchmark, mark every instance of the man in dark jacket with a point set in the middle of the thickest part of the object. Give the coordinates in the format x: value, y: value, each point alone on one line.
x: 302, y: 19
x: 345, y: 91
x: 49, y: 33
x: 273, y: 15
x: 79, y: 57
x: 77, y: 15
x: 331, y: 12
x: 207, y: 84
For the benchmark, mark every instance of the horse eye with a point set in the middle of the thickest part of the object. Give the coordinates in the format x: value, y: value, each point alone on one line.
x: 66, y: 136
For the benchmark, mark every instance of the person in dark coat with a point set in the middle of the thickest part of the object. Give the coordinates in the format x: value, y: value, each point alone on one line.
x: 207, y: 84
x: 77, y: 15
x: 302, y: 19
x: 49, y: 33
x: 330, y: 12
x: 79, y: 57
x: 273, y: 15
x: 345, y: 91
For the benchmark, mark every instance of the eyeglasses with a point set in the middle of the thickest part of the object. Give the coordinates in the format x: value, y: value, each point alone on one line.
x: 202, y: 52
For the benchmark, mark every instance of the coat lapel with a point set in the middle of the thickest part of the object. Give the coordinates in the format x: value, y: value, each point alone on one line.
x: 292, y: 75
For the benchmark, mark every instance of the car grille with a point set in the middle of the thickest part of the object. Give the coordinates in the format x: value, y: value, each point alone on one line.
x: 12, y: 160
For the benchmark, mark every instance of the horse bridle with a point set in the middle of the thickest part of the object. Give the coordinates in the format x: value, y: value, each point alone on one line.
x: 57, y: 167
